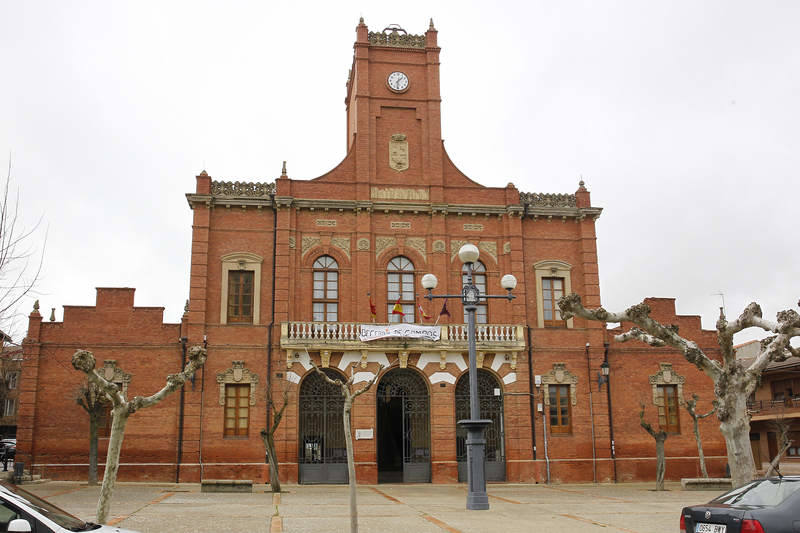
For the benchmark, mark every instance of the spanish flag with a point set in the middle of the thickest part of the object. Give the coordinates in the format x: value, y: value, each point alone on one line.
x: 398, y: 309
x: 422, y: 312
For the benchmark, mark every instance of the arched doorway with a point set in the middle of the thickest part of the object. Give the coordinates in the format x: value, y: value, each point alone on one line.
x: 322, y: 455
x: 404, y: 435
x: 490, y: 399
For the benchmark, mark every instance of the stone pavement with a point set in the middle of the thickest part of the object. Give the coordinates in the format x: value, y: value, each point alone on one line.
x: 423, y: 508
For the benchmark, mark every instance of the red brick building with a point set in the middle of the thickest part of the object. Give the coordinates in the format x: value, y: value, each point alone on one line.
x: 286, y: 270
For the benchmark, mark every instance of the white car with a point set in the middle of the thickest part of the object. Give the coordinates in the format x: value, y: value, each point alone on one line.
x: 23, y: 512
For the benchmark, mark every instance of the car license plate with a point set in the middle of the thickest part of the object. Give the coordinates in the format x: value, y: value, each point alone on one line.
x: 710, y: 528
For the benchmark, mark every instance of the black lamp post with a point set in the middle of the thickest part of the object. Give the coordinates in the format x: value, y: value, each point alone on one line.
x: 477, y: 499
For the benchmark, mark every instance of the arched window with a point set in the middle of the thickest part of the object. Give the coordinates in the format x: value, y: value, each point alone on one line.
x: 479, y: 279
x: 400, y: 290
x: 326, y: 289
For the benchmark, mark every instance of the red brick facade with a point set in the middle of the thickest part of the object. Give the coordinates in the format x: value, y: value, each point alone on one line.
x: 395, y: 194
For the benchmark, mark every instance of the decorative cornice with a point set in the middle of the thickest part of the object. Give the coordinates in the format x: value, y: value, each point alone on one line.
x: 540, y: 199
x: 238, y: 189
x: 396, y: 39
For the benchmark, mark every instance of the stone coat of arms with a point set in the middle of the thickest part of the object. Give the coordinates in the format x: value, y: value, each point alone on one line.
x: 398, y: 152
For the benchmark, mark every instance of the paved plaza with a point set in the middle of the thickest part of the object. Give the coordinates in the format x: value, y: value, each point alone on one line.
x: 151, y: 507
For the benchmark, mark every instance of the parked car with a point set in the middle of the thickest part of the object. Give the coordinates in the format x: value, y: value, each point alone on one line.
x: 21, y: 511
x: 762, y: 506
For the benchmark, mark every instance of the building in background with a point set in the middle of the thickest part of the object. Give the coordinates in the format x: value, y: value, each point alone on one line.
x: 777, y: 399
x: 293, y: 270
x: 10, y: 369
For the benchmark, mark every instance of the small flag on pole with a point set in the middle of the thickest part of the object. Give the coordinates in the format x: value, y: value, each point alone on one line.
x: 422, y: 312
x: 444, y: 311
x: 398, y: 309
x: 372, y: 310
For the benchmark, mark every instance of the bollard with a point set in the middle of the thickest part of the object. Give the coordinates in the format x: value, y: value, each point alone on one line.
x: 19, y: 469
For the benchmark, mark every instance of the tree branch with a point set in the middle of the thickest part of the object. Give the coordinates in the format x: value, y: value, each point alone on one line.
x: 639, y: 314
x: 636, y: 333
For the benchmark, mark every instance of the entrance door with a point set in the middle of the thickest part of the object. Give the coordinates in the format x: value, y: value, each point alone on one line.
x: 403, y: 428
x: 491, y: 407
x: 323, y: 453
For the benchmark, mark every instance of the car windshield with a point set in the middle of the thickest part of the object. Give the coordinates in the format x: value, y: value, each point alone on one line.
x: 766, y: 492
x: 47, y: 509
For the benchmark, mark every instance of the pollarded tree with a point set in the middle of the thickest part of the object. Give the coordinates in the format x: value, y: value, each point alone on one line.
x: 122, y: 409
x: 349, y: 396
x: 659, y: 436
x: 733, y: 380
x: 94, y: 403
x: 691, y: 406
x: 268, y: 436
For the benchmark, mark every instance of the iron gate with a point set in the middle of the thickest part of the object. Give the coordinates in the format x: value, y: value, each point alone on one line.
x: 491, y: 407
x: 403, y: 393
x: 323, y: 453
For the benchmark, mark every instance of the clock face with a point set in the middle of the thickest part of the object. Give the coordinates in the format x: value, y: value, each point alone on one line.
x: 397, y: 81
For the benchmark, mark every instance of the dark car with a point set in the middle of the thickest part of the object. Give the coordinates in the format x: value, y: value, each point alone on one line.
x: 761, y: 506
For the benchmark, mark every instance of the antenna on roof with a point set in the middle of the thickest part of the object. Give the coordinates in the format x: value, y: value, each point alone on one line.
x: 722, y: 295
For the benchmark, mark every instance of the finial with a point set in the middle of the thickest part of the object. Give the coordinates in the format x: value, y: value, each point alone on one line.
x: 581, y: 183
x: 283, y: 170
x: 204, y: 173
x: 361, y: 20
x: 722, y: 313
x: 36, y: 305
x: 52, y: 314
x: 186, y: 307
x: 430, y: 26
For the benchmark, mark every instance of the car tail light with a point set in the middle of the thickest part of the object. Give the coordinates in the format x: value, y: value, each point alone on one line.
x: 751, y: 526
x: 683, y: 524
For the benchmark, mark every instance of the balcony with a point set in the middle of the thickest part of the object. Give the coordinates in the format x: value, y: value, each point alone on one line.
x: 768, y: 409
x: 342, y: 336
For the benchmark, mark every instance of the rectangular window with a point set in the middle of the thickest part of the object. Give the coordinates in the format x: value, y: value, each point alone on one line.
x: 237, y: 410
x: 104, y: 420
x: 560, y: 409
x: 668, y: 410
x: 10, y: 408
x: 240, y: 296
x: 552, y: 291
x: 11, y: 379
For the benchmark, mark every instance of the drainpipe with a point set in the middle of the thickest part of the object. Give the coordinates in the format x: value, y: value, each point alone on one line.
x: 610, y: 415
x: 272, y: 311
x: 591, y: 413
x: 531, y: 398
x: 544, y: 432
x: 180, y: 415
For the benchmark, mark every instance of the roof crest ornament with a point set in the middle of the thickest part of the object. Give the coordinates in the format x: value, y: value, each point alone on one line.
x: 395, y: 36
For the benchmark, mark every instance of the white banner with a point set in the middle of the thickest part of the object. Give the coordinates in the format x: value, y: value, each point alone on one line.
x: 373, y: 332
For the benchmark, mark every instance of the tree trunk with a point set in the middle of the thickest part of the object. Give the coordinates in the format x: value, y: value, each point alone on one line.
x: 351, y: 467
x: 93, y: 423
x: 735, y: 427
x: 773, y: 465
x: 274, y: 480
x: 700, y: 454
x: 660, y: 463
x: 121, y: 415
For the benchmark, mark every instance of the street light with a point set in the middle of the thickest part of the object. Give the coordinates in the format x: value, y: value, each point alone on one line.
x: 477, y: 499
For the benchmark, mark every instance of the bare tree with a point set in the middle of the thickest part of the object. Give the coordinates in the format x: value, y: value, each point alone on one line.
x: 94, y: 403
x: 122, y: 409
x: 268, y: 436
x: 691, y: 406
x: 733, y: 381
x: 660, y: 436
x: 349, y: 396
x: 19, y: 267
x: 782, y: 429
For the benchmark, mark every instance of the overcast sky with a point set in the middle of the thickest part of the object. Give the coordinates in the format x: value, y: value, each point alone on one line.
x: 682, y: 117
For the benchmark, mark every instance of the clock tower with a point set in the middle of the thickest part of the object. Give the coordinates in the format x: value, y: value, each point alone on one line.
x: 394, y: 111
